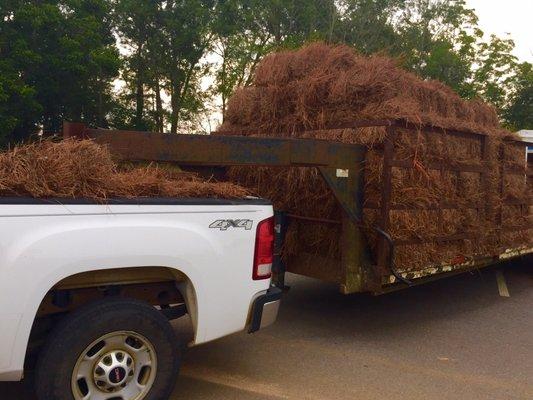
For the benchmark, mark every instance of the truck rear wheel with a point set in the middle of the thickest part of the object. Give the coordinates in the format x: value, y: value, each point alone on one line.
x: 116, y: 348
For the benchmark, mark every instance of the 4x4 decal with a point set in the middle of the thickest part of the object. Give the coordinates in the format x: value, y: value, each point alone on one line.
x: 224, y: 224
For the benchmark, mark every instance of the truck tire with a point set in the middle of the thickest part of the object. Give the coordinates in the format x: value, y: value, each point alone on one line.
x: 115, y: 348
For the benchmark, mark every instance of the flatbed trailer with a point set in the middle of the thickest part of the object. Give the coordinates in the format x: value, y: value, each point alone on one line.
x: 342, y: 168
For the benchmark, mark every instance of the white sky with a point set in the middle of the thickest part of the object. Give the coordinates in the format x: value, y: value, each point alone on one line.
x: 514, y: 17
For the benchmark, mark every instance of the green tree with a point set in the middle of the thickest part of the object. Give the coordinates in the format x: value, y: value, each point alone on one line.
x: 368, y: 25
x: 187, y: 29
x: 18, y: 107
x: 239, y: 44
x: 495, y: 76
x: 437, y: 40
x: 246, y: 30
x: 164, y: 42
x: 137, y: 24
x: 58, y: 58
x: 519, y: 113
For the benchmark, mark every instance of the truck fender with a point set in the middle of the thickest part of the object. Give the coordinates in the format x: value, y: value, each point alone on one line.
x: 47, y: 256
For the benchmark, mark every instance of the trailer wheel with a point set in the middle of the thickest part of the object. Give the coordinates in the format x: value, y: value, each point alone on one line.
x: 116, y: 348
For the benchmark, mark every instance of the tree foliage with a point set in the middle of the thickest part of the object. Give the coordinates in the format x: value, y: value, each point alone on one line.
x: 519, y: 112
x: 58, y: 61
x: 158, y: 64
x: 246, y: 30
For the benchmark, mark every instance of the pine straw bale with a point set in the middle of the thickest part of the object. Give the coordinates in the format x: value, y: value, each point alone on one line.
x: 301, y: 93
x: 416, y: 256
x: 515, y: 215
x: 431, y: 148
x: 456, y: 221
x: 313, y: 238
x: 509, y: 239
x: 469, y: 186
x: 515, y: 187
x: 513, y: 156
x: 83, y: 169
x: 320, y: 85
x: 413, y: 224
x: 289, y: 185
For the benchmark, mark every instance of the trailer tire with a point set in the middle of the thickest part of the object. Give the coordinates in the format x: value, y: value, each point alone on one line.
x: 115, y: 345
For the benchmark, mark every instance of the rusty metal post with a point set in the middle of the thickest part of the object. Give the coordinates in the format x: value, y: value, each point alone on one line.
x: 347, y: 186
x: 386, y: 184
x: 278, y: 265
x: 74, y: 129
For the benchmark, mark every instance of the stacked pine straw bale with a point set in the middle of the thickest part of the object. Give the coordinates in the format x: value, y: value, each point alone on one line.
x: 84, y: 169
x: 301, y: 93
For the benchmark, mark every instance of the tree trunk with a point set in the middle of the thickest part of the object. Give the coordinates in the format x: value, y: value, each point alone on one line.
x: 139, y: 91
x: 174, y: 104
x: 100, y: 108
x: 158, y: 106
x: 180, y: 87
x: 223, y: 83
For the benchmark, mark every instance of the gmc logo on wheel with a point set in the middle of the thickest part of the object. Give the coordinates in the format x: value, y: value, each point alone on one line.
x: 224, y: 224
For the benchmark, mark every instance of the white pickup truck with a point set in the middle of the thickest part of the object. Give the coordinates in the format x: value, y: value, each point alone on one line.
x: 93, y: 286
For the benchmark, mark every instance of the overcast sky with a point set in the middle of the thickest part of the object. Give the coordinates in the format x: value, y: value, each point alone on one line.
x: 508, y: 16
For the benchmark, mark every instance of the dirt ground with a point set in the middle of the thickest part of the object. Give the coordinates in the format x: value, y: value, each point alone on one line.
x: 453, y: 339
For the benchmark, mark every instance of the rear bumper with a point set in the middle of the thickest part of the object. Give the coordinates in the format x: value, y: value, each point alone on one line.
x: 265, y: 309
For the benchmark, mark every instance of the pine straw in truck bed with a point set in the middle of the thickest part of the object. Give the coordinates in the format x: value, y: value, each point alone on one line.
x: 304, y: 92
x: 84, y: 169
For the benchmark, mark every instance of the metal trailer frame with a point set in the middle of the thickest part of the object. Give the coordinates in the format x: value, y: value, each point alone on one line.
x: 342, y: 166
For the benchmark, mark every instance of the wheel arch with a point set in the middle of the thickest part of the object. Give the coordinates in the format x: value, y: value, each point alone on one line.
x: 135, y: 275
x: 127, y: 277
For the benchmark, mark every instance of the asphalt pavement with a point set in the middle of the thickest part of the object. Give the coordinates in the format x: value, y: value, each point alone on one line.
x: 456, y: 338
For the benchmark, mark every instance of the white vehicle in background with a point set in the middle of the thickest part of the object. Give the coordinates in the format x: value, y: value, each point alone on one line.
x: 527, y: 136
x: 96, y: 285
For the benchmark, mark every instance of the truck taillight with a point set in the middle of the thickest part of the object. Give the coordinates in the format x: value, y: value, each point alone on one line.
x: 264, y: 249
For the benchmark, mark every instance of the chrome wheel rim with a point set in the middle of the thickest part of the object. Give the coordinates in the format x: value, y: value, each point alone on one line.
x: 121, y: 365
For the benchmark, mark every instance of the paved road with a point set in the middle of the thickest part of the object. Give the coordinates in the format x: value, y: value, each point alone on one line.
x: 452, y: 339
